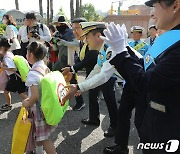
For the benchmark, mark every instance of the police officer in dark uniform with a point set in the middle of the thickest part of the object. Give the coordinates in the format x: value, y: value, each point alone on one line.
x: 130, y: 99
x: 93, y: 31
x: 87, y: 60
x: 137, y: 43
x: 94, y: 41
x: 128, y: 103
x: 160, y: 78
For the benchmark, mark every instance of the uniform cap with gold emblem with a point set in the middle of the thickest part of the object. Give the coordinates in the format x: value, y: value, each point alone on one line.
x: 89, y: 26
x: 137, y: 29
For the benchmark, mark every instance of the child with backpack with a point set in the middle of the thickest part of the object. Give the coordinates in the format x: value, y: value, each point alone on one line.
x: 35, y: 55
x: 14, y: 83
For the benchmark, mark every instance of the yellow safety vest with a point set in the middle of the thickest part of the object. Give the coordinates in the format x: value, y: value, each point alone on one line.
x: 83, y: 51
x: 139, y: 46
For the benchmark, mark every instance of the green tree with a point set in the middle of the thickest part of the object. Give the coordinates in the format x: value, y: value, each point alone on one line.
x: 2, y: 29
x: 89, y: 12
x: 3, y: 26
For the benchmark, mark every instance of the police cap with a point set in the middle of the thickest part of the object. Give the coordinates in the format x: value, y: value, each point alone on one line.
x: 89, y: 26
x: 137, y: 29
x: 152, y: 26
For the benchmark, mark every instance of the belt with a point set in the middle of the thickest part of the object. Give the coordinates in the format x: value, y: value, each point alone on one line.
x: 158, y: 107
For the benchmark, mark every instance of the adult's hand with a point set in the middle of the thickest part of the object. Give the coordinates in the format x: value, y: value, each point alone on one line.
x: 65, y: 70
x: 123, y: 27
x: 30, y: 35
x: 114, y: 36
x: 71, y: 92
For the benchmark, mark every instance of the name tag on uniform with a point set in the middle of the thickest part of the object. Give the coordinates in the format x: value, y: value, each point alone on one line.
x: 157, y: 106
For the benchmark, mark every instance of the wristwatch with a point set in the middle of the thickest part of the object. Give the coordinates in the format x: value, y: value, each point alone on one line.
x: 72, y: 70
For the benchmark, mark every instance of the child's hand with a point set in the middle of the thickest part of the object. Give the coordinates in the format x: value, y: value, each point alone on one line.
x: 25, y: 102
x: 68, y: 77
x: 27, y: 99
x: 78, y: 93
x: 65, y: 70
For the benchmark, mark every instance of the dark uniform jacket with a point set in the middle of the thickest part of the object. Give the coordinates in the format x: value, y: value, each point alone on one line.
x: 134, y: 97
x: 161, y: 83
x: 89, y: 61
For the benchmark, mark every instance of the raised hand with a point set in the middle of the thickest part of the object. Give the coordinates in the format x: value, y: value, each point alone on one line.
x: 123, y: 27
x: 114, y: 36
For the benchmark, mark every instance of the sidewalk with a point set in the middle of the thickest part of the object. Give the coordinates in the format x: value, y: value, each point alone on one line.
x: 71, y: 136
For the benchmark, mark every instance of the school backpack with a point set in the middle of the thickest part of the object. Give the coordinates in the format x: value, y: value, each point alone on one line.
x: 21, y: 65
x: 52, y: 86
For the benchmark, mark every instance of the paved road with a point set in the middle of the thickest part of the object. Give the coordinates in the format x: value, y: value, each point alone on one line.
x: 71, y: 137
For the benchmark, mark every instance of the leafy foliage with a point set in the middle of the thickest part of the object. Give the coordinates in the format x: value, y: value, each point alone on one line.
x: 89, y: 12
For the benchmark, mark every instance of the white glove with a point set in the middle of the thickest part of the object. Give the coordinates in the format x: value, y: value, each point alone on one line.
x: 115, y: 38
x: 124, y: 33
x: 126, y: 39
